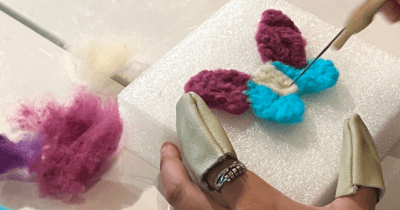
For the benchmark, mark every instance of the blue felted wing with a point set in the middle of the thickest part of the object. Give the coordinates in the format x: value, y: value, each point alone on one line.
x: 320, y: 76
x: 270, y: 106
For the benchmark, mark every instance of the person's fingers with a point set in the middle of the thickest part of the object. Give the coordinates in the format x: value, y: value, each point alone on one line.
x: 342, y: 39
x: 249, y: 191
x: 180, y: 191
x: 169, y: 150
x: 173, y: 174
x: 247, y: 188
x: 365, y: 198
x: 391, y: 9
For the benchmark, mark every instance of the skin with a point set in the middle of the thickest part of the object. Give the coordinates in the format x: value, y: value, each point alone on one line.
x: 248, y: 191
x: 391, y: 10
x: 364, y: 15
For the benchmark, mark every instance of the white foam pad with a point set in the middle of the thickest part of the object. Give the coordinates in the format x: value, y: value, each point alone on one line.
x: 300, y: 160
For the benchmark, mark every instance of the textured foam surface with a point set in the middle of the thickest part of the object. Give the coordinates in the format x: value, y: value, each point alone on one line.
x: 300, y: 160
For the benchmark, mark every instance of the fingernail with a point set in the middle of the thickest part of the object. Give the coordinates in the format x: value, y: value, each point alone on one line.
x: 164, y: 148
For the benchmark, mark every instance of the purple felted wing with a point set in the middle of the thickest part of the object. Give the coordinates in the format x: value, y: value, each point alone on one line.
x: 221, y: 89
x: 278, y: 39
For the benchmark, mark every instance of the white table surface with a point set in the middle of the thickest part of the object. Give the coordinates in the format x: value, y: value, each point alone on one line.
x: 32, y: 67
x: 29, y: 65
x: 162, y: 25
x: 159, y: 25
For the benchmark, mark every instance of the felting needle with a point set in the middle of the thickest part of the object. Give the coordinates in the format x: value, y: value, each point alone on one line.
x: 322, y: 52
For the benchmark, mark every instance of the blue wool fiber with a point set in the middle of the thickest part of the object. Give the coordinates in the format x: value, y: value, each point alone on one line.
x: 320, y: 76
x: 268, y: 105
x: 3, y: 208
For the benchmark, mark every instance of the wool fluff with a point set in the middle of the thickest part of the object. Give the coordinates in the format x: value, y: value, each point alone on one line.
x: 320, y: 76
x: 3, y: 208
x: 29, y: 117
x: 16, y: 155
x: 270, y: 106
x: 221, y: 89
x: 269, y: 76
x: 78, y: 138
x: 97, y: 59
x: 278, y: 39
x: 10, y: 157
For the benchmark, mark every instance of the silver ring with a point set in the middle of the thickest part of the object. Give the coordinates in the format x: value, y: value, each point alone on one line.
x: 229, y: 174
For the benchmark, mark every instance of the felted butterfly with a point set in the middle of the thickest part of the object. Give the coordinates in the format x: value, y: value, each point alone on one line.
x: 268, y: 91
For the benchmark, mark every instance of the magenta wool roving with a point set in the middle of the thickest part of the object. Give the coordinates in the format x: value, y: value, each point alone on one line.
x: 278, y: 39
x: 221, y: 89
x: 78, y: 139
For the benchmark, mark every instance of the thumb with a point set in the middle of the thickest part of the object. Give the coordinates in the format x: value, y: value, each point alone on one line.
x: 180, y: 191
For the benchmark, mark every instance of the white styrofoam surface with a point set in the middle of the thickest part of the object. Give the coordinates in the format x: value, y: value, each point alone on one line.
x: 299, y: 160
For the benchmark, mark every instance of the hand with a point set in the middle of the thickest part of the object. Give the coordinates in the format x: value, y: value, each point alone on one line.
x: 180, y: 191
x: 391, y: 10
x: 364, y: 15
x: 247, y: 191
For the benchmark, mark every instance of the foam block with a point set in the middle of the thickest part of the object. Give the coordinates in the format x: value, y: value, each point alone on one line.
x: 300, y: 160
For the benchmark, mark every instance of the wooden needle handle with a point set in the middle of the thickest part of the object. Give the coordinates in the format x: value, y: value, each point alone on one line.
x: 359, y: 20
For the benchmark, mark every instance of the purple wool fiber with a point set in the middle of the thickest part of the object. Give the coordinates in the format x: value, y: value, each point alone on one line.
x: 16, y: 155
x: 221, y: 89
x: 10, y: 156
x: 78, y: 139
x: 278, y: 39
x: 30, y: 146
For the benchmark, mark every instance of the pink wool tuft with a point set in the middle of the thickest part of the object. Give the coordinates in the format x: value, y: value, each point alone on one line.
x: 221, y: 89
x: 79, y: 138
x: 278, y: 39
x: 30, y: 117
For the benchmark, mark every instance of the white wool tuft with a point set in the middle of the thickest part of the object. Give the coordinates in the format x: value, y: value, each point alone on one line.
x: 98, y: 59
